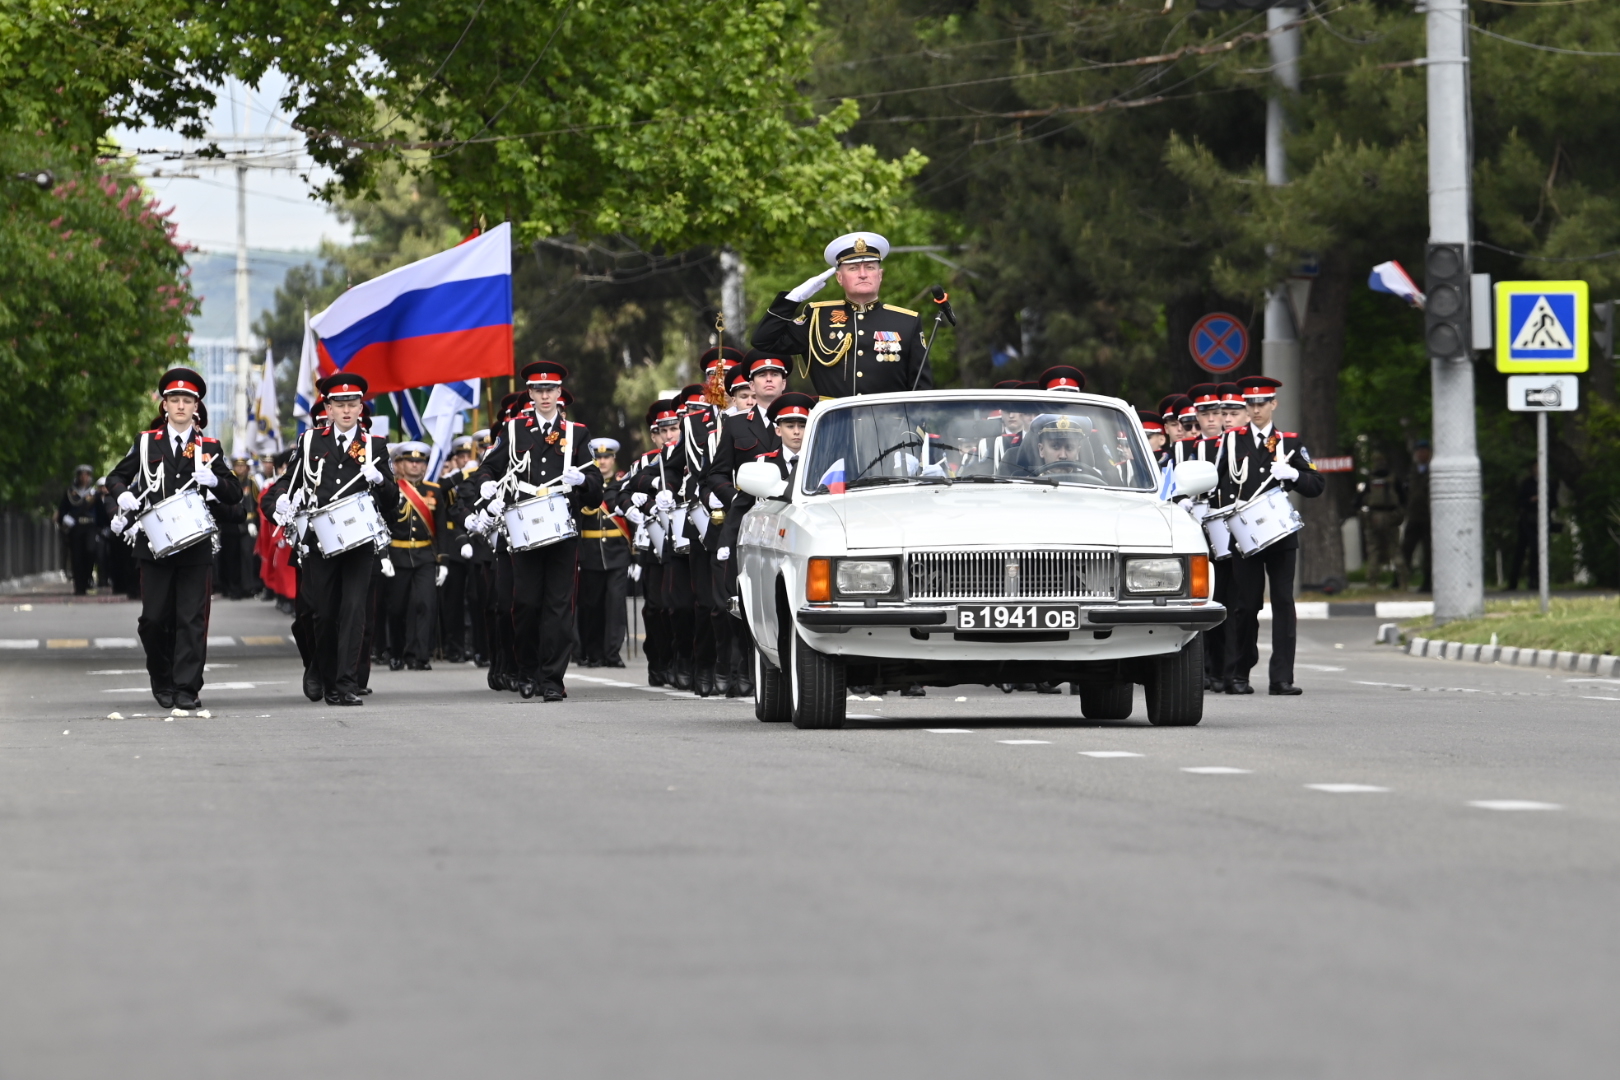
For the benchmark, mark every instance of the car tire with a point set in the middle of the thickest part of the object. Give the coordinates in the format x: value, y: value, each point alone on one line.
x: 819, y: 693
x: 1107, y: 701
x: 1175, y: 687
x: 773, y: 700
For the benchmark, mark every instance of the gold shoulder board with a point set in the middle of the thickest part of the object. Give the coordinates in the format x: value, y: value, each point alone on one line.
x: 826, y: 303
x: 901, y: 310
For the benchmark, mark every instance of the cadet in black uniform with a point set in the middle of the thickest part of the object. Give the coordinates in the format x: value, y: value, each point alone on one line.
x: 331, y: 462
x: 636, y: 501
x: 456, y: 555
x: 604, y: 566
x: 855, y: 345
x: 1255, y: 457
x: 539, y: 453
x: 417, y: 533
x: 175, y: 590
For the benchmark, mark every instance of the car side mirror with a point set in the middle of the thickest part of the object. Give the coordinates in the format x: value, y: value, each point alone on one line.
x: 763, y: 480
x: 1196, y: 477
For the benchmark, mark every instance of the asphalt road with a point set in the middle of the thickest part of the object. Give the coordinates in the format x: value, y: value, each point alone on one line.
x: 451, y: 882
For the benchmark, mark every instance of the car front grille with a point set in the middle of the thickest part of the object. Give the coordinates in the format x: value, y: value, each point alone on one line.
x: 1006, y: 575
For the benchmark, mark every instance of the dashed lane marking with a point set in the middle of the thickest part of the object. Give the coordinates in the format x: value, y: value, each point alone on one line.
x: 1025, y: 742
x: 949, y: 731
x: 1452, y: 689
x: 862, y: 716
x: 220, y: 640
x: 1108, y: 753
x: 1346, y: 789
x: 1214, y: 770
x: 1514, y: 804
x: 1318, y: 667
x: 116, y: 643
x: 67, y: 643
x: 267, y: 639
x: 207, y: 687
x: 19, y: 643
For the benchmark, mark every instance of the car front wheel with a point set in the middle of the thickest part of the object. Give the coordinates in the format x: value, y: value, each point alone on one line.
x: 818, y: 687
x: 1175, y: 687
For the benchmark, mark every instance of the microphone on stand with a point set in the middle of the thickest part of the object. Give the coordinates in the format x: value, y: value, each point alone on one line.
x: 942, y: 300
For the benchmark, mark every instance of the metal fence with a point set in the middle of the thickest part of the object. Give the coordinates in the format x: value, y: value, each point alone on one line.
x: 29, y: 545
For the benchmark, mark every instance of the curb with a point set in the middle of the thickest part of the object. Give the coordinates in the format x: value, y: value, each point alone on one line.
x: 1606, y: 666
x: 1382, y: 609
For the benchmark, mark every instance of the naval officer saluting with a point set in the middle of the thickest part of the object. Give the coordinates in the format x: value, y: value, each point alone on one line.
x: 855, y: 345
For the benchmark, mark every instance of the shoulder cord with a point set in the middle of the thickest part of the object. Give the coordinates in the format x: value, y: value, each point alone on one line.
x: 821, y: 345
x: 511, y: 483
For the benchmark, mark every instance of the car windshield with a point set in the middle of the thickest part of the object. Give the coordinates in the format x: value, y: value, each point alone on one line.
x: 977, y: 440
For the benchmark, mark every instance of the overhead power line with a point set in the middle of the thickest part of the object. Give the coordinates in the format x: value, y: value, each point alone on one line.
x: 1540, y: 48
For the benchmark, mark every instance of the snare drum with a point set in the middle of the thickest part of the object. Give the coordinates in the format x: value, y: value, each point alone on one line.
x: 1264, y: 520
x: 177, y: 522
x: 535, y: 523
x: 347, y: 524
x: 1217, y: 530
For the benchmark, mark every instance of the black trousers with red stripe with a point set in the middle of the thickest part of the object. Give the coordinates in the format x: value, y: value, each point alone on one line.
x: 173, y: 626
x: 543, y: 611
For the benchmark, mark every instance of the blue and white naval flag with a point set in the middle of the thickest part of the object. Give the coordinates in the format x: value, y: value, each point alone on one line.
x: 1391, y: 277
x: 447, y: 402
x: 308, y: 372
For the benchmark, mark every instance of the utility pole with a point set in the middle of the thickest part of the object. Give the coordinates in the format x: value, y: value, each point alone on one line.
x: 1279, y: 348
x: 244, y: 345
x: 1456, y: 542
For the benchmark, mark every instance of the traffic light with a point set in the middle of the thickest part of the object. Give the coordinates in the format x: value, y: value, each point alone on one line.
x: 1446, y: 309
x: 1603, y: 328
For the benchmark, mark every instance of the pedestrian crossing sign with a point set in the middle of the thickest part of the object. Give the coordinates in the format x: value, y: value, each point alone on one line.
x: 1541, y: 326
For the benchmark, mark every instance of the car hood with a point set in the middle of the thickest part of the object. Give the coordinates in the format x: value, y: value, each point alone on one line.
x: 1020, y: 515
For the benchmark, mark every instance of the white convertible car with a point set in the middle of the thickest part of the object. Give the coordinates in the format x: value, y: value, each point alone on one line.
x: 914, y: 544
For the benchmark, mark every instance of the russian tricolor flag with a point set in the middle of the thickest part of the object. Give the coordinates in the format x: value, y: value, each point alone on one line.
x: 445, y: 318
x: 833, y: 478
x: 1391, y: 277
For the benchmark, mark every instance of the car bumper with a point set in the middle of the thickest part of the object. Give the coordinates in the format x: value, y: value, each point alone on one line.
x: 837, y: 620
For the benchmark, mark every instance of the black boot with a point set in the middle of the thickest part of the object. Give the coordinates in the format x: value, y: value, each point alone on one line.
x: 657, y: 676
x: 703, y: 682
x: 683, y: 674
x: 312, y: 684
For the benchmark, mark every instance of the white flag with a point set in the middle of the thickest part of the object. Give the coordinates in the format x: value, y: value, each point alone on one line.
x: 309, y: 371
x: 265, y: 437
x: 447, y: 402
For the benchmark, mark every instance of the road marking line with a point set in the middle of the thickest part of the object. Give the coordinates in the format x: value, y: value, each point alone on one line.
x: 1345, y: 789
x: 1108, y: 753
x: 1213, y: 770
x: 961, y: 699
x: 266, y: 639
x: 949, y: 730
x: 1610, y: 682
x: 1318, y: 667
x: 1025, y: 742
x: 1592, y: 697
x: 206, y: 687
x: 19, y: 643
x: 220, y: 640
x: 116, y: 643
x: 67, y: 643
x: 862, y: 716
x: 1514, y: 804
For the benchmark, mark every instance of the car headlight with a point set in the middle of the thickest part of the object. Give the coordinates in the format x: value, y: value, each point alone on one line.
x: 865, y: 577
x: 1154, y: 575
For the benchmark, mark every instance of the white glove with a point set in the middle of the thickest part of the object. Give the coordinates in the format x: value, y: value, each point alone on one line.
x: 635, y: 571
x: 466, y: 551
x: 205, y: 477
x: 723, y: 555
x: 1284, y: 471
x: 372, y: 474
x: 295, y: 500
x: 635, y: 517
x: 387, y: 566
x: 119, y: 524
x: 127, y: 501
x: 479, y: 522
x: 811, y: 286
x: 444, y: 572
x: 69, y: 520
x: 715, y: 503
x: 253, y: 529
x: 487, y: 490
x: 572, y: 476
x: 665, y: 501
x: 284, y: 513
x: 639, y: 499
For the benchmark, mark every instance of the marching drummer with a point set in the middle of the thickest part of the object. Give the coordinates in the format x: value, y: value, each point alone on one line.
x: 540, y: 455
x: 174, y: 459
x: 1257, y: 458
x: 338, y: 460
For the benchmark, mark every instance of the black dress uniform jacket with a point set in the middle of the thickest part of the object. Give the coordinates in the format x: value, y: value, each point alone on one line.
x: 743, y: 437
x: 1245, y: 468
x: 413, y: 541
x: 603, y: 545
x: 173, y: 473
x: 851, y: 349
x: 336, y: 471
x: 543, y: 443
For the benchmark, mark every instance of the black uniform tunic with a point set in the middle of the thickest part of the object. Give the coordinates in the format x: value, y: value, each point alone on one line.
x: 415, y: 548
x: 850, y: 349
x: 604, y: 579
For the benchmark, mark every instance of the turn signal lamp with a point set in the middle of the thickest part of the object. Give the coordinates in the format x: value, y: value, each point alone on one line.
x: 818, y: 582
x: 1200, y: 577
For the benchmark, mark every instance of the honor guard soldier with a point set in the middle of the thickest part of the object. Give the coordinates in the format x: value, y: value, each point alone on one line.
x: 1256, y: 457
x: 540, y: 454
x: 497, y: 612
x: 336, y: 460
x: 456, y: 552
x: 1202, y: 416
x: 604, y: 566
x: 176, y: 589
x: 418, y: 530
x: 855, y: 345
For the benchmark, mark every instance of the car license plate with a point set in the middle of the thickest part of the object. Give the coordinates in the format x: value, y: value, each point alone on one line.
x: 1018, y: 617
